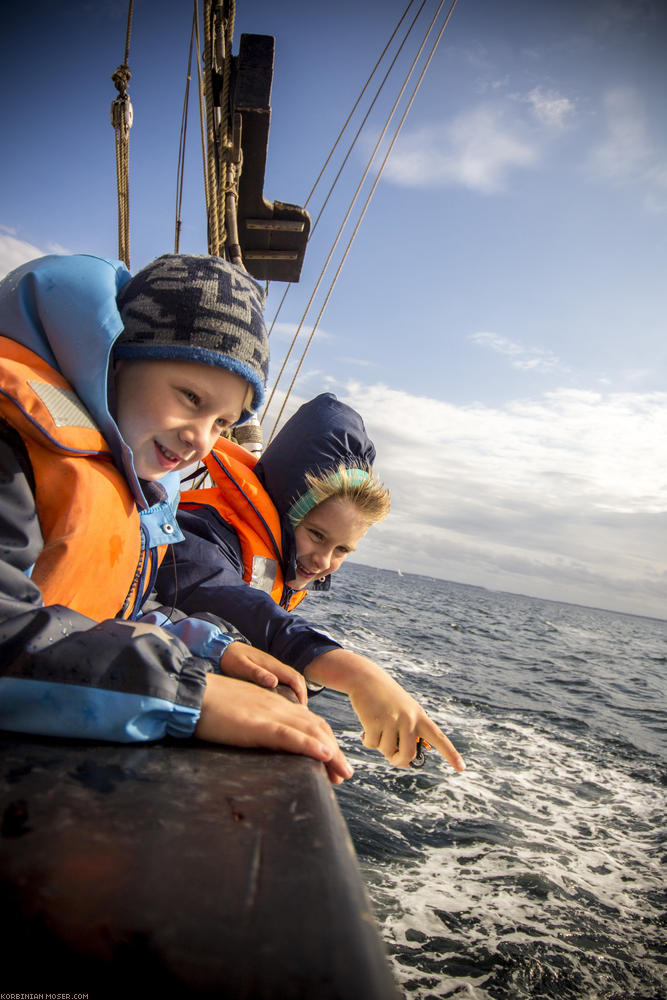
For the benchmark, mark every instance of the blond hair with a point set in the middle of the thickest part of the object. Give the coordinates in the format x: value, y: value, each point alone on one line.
x: 358, y: 486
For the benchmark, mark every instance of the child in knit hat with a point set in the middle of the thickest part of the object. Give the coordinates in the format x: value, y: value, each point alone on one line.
x: 109, y: 386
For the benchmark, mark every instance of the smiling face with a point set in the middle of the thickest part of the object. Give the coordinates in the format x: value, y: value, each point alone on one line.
x: 325, y: 537
x: 171, y: 413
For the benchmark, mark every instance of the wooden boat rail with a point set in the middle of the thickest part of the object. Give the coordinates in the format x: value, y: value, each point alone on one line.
x: 180, y: 868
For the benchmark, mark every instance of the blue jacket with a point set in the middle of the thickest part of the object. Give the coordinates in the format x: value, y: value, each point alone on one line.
x: 61, y: 673
x: 209, y: 568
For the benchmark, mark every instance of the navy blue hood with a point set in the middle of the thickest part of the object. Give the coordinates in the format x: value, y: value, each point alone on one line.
x: 322, y: 433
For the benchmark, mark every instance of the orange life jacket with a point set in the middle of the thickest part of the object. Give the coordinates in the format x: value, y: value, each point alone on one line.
x: 92, y: 558
x: 242, y: 502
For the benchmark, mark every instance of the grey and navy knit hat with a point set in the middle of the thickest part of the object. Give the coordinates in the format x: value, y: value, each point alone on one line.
x: 197, y: 308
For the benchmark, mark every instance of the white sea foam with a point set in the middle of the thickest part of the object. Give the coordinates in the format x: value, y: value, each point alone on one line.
x: 536, y: 873
x: 568, y: 867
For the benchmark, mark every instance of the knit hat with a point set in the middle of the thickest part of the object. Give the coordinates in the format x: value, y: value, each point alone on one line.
x: 197, y: 308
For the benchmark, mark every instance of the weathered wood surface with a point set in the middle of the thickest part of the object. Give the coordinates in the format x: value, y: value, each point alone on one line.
x: 180, y: 869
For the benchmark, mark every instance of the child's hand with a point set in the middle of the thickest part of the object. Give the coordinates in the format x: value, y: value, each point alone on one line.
x: 249, y: 664
x: 239, y: 714
x: 392, y: 720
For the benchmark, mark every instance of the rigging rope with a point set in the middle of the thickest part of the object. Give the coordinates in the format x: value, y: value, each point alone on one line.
x: 340, y: 170
x: 121, y: 120
x: 200, y: 95
x: 180, y: 169
x: 363, y: 91
x: 370, y: 106
x: 371, y: 192
x: 347, y: 155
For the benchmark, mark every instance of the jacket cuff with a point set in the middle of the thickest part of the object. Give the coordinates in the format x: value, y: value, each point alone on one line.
x: 203, y: 638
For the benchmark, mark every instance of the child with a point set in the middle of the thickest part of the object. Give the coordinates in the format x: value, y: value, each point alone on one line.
x: 266, y: 532
x: 109, y: 386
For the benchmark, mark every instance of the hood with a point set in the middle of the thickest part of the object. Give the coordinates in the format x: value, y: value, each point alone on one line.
x: 322, y: 433
x: 64, y: 309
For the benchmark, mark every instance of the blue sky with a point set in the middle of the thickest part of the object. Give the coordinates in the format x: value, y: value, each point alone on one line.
x: 500, y: 321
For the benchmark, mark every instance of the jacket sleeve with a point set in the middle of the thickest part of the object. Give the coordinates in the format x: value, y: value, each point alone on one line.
x: 209, y: 578
x: 62, y: 674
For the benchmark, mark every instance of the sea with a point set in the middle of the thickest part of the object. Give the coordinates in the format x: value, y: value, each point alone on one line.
x: 539, y: 872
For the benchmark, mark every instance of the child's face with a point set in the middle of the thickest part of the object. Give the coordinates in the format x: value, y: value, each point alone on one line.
x: 171, y: 413
x: 325, y: 537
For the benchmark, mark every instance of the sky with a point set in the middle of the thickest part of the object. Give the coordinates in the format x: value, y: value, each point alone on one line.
x: 500, y: 320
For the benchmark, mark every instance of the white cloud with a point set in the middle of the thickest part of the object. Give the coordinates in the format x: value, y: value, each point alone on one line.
x: 528, y: 359
x: 477, y: 150
x: 550, y: 108
x: 14, y: 252
x: 480, y: 147
x: 286, y: 331
x: 563, y: 496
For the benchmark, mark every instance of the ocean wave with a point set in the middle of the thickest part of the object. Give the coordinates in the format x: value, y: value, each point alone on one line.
x: 537, y: 872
